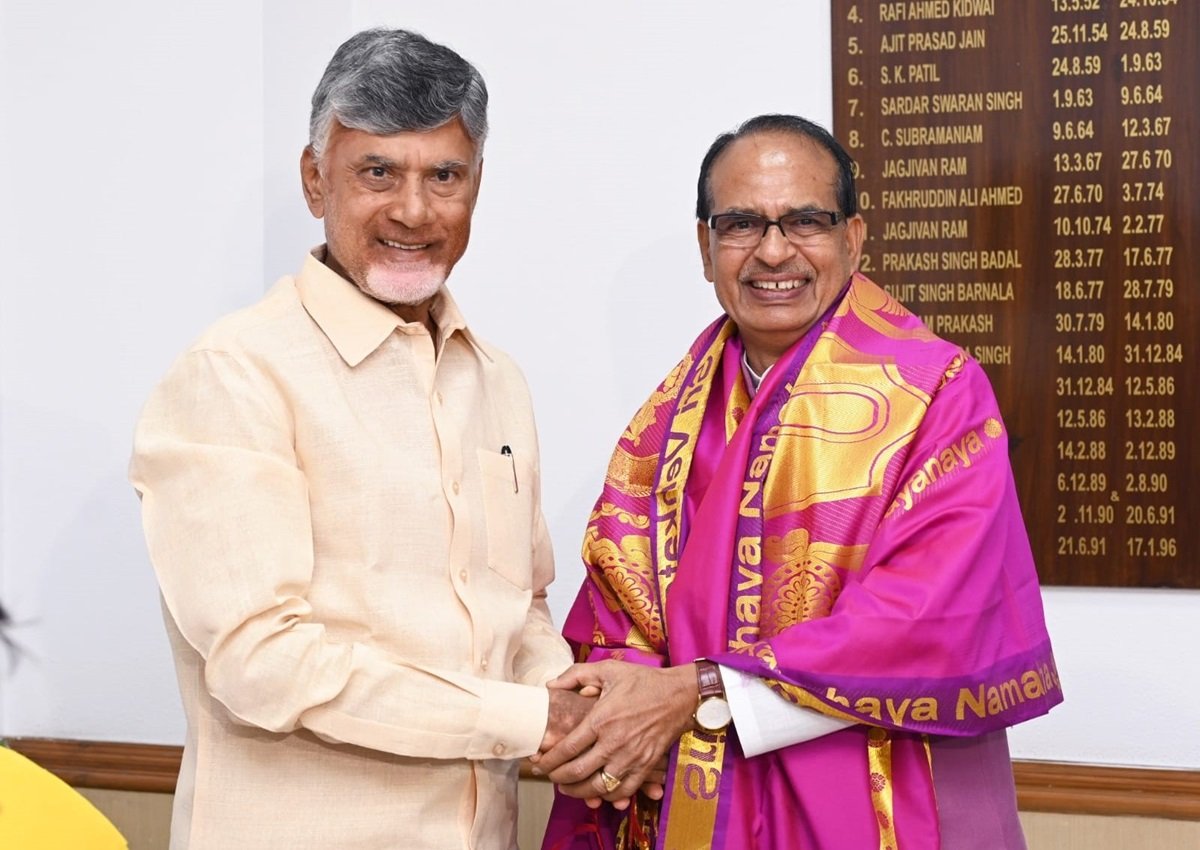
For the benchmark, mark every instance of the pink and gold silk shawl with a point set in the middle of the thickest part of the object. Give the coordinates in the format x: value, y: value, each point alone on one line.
x: 854, y: 538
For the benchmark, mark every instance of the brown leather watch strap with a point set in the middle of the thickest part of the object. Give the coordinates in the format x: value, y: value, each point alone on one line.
x: 708, y: 676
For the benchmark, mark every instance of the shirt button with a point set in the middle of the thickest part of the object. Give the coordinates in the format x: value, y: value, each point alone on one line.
x: 438, y: 398
x: 498, y: 750
x: 462, y: 575
x: 455, y: 488
x: 483, y: 663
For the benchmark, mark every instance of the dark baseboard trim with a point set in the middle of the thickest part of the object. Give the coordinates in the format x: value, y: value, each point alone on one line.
x: 1041, y: 786
x: 104, y: 764
x: 1095, y: 790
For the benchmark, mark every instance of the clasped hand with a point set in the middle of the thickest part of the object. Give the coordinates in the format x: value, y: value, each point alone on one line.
x: 637, y: 713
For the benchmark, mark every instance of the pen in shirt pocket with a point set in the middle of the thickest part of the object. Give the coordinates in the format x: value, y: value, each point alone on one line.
x: 507, y: 452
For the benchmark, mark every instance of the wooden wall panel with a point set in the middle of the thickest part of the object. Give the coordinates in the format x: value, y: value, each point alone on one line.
x: 1041, y: 786
x: 1026, y: 174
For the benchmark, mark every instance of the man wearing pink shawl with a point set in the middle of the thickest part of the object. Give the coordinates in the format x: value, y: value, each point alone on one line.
x: 808, y: 585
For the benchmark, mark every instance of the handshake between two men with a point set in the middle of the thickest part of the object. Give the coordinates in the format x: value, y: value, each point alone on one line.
x: 610, y: 727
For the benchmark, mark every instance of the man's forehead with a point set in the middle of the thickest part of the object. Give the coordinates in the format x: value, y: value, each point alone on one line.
x: 772, y: 157
x: 368, y: 157
x: 768, y: 151
x: 448, y: 142
x: 776, y: 167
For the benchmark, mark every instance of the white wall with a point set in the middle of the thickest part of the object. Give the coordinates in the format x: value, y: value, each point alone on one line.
x: 132, y: 215
x: 152, y: 153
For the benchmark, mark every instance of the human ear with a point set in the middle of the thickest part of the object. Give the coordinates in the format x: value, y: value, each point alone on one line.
x: 310, y: 182
x: 702, y: 236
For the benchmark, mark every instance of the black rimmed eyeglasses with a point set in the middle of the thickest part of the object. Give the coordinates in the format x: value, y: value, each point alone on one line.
x: 746, y: 229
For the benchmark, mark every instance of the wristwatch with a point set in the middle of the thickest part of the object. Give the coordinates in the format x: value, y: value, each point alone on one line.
x: 712, y: 712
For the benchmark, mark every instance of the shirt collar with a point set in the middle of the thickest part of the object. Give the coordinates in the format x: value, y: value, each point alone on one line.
x: 753, y: 379
x: 356, y: 323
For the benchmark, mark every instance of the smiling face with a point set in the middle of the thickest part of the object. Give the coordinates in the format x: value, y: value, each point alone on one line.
x: 397, y: 208
x: 774, y: 291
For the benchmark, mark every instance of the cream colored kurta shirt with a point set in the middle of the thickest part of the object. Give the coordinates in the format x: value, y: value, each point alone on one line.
x: 347, y: 532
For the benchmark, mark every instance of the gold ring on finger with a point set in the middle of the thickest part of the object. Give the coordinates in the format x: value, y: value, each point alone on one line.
x: 610, y: 782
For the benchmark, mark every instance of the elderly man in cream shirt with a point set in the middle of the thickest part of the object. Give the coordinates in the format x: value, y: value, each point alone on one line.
x: 341, y: 501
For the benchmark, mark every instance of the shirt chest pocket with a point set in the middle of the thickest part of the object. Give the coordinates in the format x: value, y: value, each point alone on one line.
x: 508, y: 509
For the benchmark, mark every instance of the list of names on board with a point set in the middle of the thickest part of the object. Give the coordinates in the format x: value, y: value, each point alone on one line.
x: 1027, y: 172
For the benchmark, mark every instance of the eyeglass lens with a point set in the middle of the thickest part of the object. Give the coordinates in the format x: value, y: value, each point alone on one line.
x: 745, y: 228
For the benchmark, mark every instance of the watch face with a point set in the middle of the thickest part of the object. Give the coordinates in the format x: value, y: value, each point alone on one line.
x: 713, y: 714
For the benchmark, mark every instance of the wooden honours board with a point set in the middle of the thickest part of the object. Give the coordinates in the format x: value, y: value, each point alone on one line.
x: 1028, y: 176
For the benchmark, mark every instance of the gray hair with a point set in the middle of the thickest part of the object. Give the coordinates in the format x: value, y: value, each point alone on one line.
x: 385, y: 81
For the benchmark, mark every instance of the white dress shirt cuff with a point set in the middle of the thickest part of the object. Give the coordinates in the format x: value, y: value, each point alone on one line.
x: 765, y: 721
x: 512, y: 721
